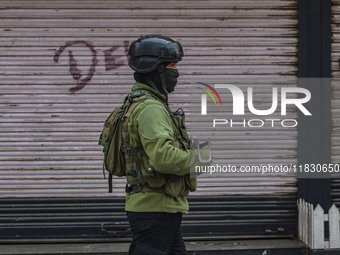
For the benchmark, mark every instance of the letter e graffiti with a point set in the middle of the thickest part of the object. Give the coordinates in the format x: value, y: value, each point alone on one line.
x: 113, y: 62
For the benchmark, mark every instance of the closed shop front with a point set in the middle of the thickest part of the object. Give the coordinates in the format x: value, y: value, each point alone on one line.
x: 64, y: 69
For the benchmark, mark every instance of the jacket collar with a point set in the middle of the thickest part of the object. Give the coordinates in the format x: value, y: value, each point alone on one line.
x: 141, y: 86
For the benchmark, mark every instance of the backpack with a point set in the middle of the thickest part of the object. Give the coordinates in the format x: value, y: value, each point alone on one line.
x: 112, y: 140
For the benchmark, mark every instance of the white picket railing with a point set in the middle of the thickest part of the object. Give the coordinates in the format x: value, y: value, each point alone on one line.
x: 311, y: 226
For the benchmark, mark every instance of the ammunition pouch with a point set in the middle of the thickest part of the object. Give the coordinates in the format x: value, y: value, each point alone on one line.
x: 179, y: 185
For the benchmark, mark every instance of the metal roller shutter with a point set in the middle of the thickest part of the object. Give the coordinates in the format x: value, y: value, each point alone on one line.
x: 64, y: 68
x: 40, y: 220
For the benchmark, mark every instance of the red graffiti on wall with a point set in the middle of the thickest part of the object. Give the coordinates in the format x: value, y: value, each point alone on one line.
x: 111, y: 62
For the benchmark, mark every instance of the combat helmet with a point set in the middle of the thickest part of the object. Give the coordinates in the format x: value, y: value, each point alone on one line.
x: 148, y: 53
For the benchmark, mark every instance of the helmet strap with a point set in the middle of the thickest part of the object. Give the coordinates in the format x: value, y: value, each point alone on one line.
x: 160, y: 69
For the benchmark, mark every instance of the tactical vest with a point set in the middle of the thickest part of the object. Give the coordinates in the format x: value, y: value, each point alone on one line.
x: 141, y: 176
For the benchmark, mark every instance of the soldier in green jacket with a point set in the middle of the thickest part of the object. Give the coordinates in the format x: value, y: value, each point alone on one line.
x: 158, y: 154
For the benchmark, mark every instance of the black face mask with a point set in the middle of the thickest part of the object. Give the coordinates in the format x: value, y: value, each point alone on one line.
x: 171, y: 76
x: 153, y: 79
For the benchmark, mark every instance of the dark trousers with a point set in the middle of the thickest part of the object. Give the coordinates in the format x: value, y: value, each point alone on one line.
x: 156, y: 233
